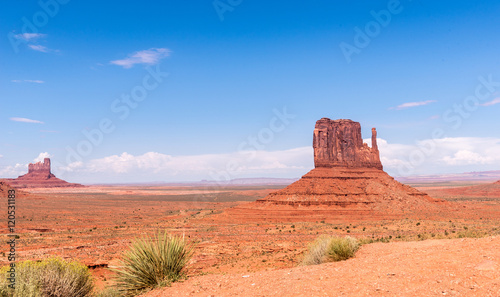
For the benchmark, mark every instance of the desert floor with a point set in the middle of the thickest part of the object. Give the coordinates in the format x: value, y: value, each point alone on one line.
x: 435, y: 256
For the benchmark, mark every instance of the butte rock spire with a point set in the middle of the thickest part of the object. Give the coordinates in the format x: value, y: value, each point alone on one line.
x: 39, y: 176
x: 348, y: 181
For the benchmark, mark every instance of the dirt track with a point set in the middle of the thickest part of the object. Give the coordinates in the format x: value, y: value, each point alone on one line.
x: 449, y: 267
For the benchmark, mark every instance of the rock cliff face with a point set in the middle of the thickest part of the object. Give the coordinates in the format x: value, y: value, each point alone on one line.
x: 39, y: 176
x: 339, y: 144
x: 348, y: 181
x: 38, y: 171
x: 40, y: 167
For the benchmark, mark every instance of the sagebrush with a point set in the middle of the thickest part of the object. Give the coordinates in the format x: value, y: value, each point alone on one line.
x: 52, y: 277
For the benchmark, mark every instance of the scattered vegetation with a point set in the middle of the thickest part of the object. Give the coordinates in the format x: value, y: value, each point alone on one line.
x: 328, y: 249
x: 152, y: 262
x: 51, y: 277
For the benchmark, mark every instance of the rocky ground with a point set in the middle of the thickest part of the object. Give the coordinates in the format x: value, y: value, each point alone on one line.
x: 447, y: 267
x: 96, y: 224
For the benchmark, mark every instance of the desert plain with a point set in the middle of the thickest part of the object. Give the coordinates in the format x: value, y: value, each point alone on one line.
x: 258, y: 252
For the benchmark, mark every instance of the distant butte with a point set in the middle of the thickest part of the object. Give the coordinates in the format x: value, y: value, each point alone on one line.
x: 348, y: 181
x: 39, y: 176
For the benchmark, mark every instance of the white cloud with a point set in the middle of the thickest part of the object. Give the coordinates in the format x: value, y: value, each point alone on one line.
x: 36, y: 81
x: 445, y: 155
x: 156, y: 166
x: 412, y: 104
x: 25, y: 120
x: 13, y: 171
x: 39, y: 48
x: 41, y: 156
x: 29, y: 36
x: 492, y: 102
x: 150, y: 57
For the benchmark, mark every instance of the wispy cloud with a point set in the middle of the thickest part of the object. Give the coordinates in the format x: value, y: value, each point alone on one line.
x: 492, y: 102
x: 149, y: 57
x: 25, y: 120
x: 29, y: 36
x: 412, y: 104
x: 36, y: 81
x: 39, y: 48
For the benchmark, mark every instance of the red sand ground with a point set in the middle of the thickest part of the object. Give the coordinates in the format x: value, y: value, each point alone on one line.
x: 456, y: 267
x: 95, y: 225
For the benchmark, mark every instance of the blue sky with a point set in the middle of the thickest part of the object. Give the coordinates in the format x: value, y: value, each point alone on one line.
x: 210, y: 76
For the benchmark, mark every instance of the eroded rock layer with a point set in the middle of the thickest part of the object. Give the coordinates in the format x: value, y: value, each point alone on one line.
x: 338, y: 143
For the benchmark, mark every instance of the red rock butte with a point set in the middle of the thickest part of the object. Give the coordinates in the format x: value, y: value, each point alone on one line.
x: 39, y: 176
x: 348, y: 180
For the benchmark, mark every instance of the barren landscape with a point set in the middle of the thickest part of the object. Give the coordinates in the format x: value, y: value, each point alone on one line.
x: 249, y: 148
x: 96, y: 224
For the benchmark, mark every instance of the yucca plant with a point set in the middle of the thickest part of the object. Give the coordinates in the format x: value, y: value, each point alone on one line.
x: 152, y: 262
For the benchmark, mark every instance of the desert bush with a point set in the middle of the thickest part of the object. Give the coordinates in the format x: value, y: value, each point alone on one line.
x: 316, y: 253
x: 328, y: 249
x: 48, y: 278
x: 152, y: 262
x: 109, y: 292
x: 340, y: 249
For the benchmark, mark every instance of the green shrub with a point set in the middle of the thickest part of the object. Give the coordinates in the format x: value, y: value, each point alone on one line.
x: 328, y: 249
x: 152, y: 262
x: 48, y: 278
x: 340, y: 249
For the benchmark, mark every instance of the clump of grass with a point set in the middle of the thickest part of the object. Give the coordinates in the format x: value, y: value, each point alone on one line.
x: 108, y: 292
x: 317, y: 251
x: 52, y: 277
x: 342, y: 248
x: 152, y: 262
x: 330, y: 249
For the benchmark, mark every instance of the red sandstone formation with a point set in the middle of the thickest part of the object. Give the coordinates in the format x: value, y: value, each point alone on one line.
x: 347, y: 179
x: 339, y: 144
x: 39, y: 176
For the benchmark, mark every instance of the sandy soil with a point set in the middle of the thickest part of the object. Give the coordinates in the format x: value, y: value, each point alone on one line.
x: 448, y: 267
x: 95, y: 225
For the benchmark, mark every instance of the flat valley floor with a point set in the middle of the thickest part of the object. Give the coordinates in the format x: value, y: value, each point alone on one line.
x: 96, y: 224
